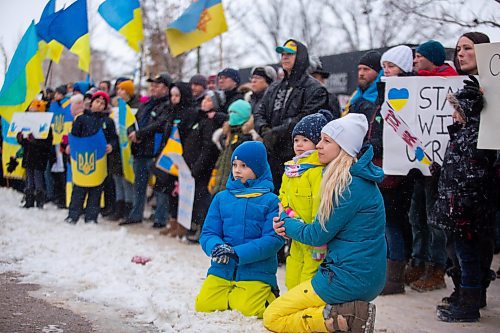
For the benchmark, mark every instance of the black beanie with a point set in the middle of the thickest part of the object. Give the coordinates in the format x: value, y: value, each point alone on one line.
x: 62, y: 89
x: 372, y: 60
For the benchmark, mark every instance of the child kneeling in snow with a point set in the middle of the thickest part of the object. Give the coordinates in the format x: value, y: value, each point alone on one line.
x: 238, y: 235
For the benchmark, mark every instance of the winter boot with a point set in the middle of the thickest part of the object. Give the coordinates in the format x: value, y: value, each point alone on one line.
x: 119, y: 211
x: 454, y: 273
x: 29, y: 200
x: 466, y: 309
x: 432, y: 279
x: 394, y: 283
x: 171, y: 229
x: 413, y: 272
x: 355, y: 317
x: 40, y: 199
x: 193, y: 235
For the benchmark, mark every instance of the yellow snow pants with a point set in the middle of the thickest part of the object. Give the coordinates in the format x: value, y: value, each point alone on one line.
x: 300, y: 266
x: 298, y: 310
x: 248, y: 297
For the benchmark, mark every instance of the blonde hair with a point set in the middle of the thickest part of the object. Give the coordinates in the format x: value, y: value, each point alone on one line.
x: 336, y: 179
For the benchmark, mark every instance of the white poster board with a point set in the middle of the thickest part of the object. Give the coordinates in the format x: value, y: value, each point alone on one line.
x: 37, y: 123
x: 421, y: 112
x: 488, y: 64
x: 186, y: 191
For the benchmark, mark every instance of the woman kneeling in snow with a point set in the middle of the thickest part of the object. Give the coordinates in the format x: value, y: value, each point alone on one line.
x: 351, y: 221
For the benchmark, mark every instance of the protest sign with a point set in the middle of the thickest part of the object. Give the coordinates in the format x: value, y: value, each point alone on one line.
x: 416, y: 115
x: 488, y: 64
x: 37, y: 123
x: 186, y: 190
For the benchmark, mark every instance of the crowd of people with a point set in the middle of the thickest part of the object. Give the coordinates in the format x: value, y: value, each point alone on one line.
x: 278, y: 163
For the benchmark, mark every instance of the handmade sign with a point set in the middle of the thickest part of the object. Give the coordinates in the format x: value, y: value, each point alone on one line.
x: 416, y: 115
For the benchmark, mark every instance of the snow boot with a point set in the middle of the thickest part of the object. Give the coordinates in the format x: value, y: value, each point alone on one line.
x: 395, y: 282
x: 454, y: 273
x: 466, y: 309
x: 432, y: 279
x: 40, y: 199
x: 29, y: 200
x: 171, y: 229
x: 355, y: 317
x: 413, y: 272
x: 119, y: 212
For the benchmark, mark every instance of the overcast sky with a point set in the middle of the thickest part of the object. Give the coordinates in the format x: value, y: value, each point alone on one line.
x: 16, y: 15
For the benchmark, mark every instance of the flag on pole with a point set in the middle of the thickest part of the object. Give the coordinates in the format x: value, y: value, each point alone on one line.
x: 125, y: 120
x: 24, y: 76
x: 49, y: 48
x: 200, y: 22
x: 173, y: 145
x: 126, y: 18
x: 71, y: 28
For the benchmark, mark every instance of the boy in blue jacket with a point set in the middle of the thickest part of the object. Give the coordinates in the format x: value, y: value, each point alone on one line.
x: 238, y: 235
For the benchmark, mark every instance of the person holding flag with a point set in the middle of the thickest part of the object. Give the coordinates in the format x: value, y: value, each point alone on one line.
x: 93, y: 136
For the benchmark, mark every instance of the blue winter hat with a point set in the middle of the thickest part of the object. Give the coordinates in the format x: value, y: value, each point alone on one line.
x: 253, y: 154
x: 433, y: 51
x: 231, y: 73
x: 81, y: 86
x: 310, y: 126
x: 239, y: 112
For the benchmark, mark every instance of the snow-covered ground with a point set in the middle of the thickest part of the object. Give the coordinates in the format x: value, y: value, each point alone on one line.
x: 88, y: 268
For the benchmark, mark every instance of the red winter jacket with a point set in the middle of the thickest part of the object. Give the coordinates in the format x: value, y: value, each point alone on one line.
x: 443, y: 70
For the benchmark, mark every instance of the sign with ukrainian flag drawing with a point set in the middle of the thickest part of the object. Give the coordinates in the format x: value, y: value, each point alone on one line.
x: 416, y: 117
x: 88, y: 159
x: 200, y: 22
x: 37, y: 123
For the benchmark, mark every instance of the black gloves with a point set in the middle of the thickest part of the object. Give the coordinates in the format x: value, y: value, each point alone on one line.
x: 222, y: 253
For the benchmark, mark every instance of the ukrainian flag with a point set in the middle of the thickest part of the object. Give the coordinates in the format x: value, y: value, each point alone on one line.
x: 49, y: 48
x: 88, y: 159
x: 71, y: 28
x: 68, y: 117
x: 173, y: 145
x: 125, y: 120
x: 23, y: 78
x: 200, y: 22
x: 59, y: 119
x: 126, y: 18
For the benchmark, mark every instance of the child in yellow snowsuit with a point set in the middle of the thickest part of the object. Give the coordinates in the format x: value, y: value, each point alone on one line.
x: 299, y: 194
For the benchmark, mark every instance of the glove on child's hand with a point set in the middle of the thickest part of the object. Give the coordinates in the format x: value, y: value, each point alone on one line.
x: 318, y: 253
x: 222, y: 253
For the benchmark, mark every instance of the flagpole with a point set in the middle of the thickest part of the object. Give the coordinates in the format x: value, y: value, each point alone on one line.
x: 221, y: 55
x: 141, y: 63
x: 47, y: 75
x: 198, y: 60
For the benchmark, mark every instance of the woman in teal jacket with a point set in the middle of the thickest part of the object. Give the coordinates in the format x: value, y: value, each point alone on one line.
x: 238, y: 235
x: 351, y: 221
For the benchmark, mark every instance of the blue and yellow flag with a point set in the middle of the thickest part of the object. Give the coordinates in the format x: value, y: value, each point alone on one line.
x: 125, y: 119
x: 200, y: 22
x: 24, y: 76
x: 88, y: 159
x: 173, y: 145
x: 126, y: 18
x: 71, y: 28
x: 49, y: 48
x: 60, y: 111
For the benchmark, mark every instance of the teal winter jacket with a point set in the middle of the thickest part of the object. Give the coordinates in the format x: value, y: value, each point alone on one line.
x: 355, y: 265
